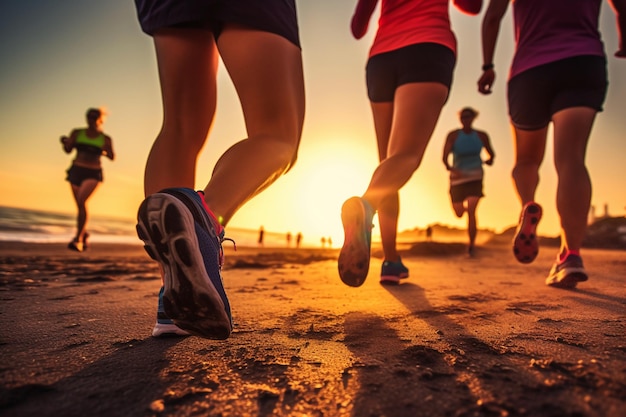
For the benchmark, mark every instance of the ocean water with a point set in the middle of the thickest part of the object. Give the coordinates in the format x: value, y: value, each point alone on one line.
x: 37, y: 226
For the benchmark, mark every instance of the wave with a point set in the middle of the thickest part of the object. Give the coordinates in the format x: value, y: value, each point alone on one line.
x: 38, y: 226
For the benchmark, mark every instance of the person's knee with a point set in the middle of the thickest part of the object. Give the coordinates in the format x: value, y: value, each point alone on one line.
x: 184, y: 133
x: 569, y: 163
x: 285, y: 152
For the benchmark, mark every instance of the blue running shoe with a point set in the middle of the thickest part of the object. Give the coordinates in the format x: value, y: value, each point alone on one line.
x: 392, y: 272
x: 179, y: 232
x: 568, y: 273
x: 164, y: 326
x: 354, y: 257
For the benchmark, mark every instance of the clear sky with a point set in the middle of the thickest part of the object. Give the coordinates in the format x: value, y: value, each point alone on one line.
x: 57, y: 58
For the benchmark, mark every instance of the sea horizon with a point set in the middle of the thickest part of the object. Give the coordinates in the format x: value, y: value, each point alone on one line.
x: 41, y: 226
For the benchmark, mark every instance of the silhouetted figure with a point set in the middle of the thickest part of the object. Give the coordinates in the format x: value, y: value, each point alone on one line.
x: 298, y: 239
x: 261, y: 236
x: 429, y: 233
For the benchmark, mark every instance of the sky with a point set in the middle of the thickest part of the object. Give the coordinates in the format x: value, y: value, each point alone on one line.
x: 59, y: 58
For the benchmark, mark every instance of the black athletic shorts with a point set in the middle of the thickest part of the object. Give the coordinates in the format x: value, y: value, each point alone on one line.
x: 460, y: 192
x: 422, y: 62
x: 77, y: 174
x: 536, y: 94
x: 274, y: 16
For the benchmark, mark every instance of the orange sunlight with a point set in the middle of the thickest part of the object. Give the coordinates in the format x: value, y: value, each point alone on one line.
x: 309, y: 198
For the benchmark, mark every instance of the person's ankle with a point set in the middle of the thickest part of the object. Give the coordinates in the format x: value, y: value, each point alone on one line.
x: 567, y: 252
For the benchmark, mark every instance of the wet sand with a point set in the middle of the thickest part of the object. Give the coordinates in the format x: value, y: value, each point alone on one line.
x: 461, y: 337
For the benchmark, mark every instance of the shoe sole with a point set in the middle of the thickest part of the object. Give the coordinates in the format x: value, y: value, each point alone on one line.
x: 354, y: 257
x: 391, y: 279
x: 525, y: 244
x: 567, y: 278
x: 190, y: 299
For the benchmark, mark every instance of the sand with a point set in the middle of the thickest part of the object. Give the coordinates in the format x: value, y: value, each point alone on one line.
x: 461, y: 337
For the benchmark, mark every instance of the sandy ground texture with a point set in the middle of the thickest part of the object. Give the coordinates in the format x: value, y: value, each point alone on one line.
x: 461, y: 337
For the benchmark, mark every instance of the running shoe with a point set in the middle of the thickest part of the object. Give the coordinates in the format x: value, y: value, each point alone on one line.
x: 392, y: 272
x: 354, y: 257
x: 164, y: 326
x: 568, y: 273
x: 525, y: 243
x: 180, y: 233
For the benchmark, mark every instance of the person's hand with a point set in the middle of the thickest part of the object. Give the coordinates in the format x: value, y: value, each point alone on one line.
x: 64, y: 139
x: 455, y: 173
x: 485, y: 82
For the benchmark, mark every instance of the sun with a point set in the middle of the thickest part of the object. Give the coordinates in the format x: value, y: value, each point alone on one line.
x: 309, y: 197
x: 326, y: 179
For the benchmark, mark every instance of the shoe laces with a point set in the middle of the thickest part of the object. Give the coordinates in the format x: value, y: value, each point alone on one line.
x: 220, y: 229
x: 222, y: 239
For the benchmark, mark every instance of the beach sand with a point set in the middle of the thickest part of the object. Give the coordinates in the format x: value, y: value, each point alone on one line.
x: 461, y: 337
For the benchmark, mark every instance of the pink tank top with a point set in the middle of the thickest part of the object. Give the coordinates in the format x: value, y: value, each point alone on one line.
x: 551, y: 30
x: 407, y: 22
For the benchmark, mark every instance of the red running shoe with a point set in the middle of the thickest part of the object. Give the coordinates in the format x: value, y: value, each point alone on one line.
x: 525, y: 244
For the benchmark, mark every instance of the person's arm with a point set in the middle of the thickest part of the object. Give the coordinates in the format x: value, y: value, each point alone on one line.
x: 484, y: 138
x: 619, y: 6
x: 361, y: 18
x: 469, y: 6
x: 447, y: 148
x: 69, y: 142
x: 490, y: 30
x: 108, y: 148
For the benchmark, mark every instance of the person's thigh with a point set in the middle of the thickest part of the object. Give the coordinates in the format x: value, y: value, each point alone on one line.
x: 187, y: 60
x: 266, y: 70
x: 572, y: 129
x: 417, y: 107
x: 472, y: 203
x: 86, y: 189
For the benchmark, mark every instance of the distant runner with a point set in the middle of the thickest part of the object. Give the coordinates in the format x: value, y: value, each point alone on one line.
x: 85, y: 174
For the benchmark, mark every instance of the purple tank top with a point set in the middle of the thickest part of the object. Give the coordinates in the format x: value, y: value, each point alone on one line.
x: 551, y: 30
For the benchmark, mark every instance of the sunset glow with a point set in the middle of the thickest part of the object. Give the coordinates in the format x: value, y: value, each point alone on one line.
x: 60, y: 61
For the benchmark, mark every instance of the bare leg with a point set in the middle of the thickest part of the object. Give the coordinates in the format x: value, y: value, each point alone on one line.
x: 572, y: 128
x: 81, y: 195
x: 187, y: 61
x: 472, y: 228
x: 530, y: 149
x: 459, y: 208
x: 389, y: 208
x: 416, y: 110
x: 403, y: 129
x: 388, y: 212
x: 272, y: 99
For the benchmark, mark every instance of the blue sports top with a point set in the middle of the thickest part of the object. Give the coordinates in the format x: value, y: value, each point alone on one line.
x: 466, y: 151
